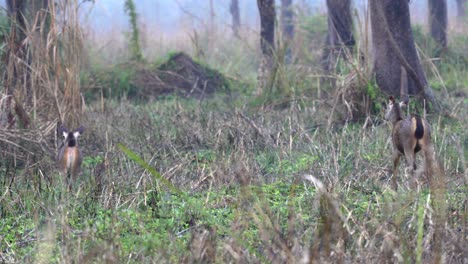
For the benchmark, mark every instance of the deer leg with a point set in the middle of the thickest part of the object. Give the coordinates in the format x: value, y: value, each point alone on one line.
x: 396, y: 161
x: 74, y: 175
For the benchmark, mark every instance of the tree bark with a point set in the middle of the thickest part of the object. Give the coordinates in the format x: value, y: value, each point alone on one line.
x: 287, y: 27
x: 438, y: 21
x: 267, y: 44
x: 17, y: 13
x: 235, y: 13
x: 340, y: 33
x: 394, y: 50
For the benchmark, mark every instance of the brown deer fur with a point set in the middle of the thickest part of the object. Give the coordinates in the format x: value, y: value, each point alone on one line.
x: 410, y: 135
x: 69, y: 158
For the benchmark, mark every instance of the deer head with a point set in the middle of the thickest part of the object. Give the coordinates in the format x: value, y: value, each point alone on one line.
x: 69, y: 157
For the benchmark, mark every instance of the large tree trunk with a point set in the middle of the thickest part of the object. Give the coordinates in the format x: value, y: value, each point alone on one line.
x: 235, y: 13
x: 340, y: 33
x: 267, y: 44
x: 287, y: 27
x: 438, y: 21
x: 395, y: 52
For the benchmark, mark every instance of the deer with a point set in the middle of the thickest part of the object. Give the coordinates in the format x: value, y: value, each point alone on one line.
x: 69, y: 157
x: 410, y: 135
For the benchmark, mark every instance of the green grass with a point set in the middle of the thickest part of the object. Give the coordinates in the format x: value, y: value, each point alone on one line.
x: 162, y: 177
x: 142, y: 218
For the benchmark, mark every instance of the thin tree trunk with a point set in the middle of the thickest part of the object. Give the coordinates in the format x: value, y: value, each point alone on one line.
x: 235, y: 13
x: 17, y: 14
x: 267, y: 44
x: 212, y: 18
x: 461, y: 8
x: 438, y: 21
x: 16, y: 51
x: 287, y: 27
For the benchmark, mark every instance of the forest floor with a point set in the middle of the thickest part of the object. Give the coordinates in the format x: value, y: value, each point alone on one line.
x: 237, y: 182
x: 231, y: 178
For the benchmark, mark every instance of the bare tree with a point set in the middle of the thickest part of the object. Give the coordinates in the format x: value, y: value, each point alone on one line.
x: 267, y: 43
x: 235, y: 13
x: 395, y: 56
x: 340, y: 33
x: 438, y: 21
x: 287, y: 26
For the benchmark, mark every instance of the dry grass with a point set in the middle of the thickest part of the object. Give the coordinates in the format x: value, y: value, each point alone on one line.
x: 230, y: 181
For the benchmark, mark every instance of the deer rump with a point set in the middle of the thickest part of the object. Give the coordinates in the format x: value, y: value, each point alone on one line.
x: 410, y: 126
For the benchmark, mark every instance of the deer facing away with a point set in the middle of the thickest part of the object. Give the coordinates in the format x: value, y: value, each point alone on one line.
x: 69, y: 158
x: 409, y: 136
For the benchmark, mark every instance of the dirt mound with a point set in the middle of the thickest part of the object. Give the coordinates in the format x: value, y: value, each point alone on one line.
x: 180, y: 74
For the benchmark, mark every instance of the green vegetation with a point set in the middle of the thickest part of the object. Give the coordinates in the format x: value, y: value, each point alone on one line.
x: 178, y: 177
x: 223, y: 176
x: 134, y: 37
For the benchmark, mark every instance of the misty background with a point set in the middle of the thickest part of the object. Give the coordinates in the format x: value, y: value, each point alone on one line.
x: 169, y: 25
x: 170, y: 17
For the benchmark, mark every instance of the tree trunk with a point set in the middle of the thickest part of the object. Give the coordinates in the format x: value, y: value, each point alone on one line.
x: 340, y: 33
x: 212, y: 16
x: 235, y: 13
x: 134, y: 45
x: 267, y: 44
x: 461, y: 8
x: 438, y: 21
x: 394, y: 50
x: 287, y: 27
x: 15, y: 52
x: 17, y: 14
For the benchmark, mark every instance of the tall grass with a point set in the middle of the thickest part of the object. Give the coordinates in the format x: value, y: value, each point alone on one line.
x: 223, y: 180
x: 246, y: 177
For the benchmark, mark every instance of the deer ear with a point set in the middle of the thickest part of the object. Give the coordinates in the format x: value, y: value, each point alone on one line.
x: 403, y: 104
x: 63, y: 130
x: 78, y: 131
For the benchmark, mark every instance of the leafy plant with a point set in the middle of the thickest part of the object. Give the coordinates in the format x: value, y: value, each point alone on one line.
x: 134, y: 38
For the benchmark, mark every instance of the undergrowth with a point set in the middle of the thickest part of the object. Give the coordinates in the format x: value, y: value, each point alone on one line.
x: 236, y: 171
x: 227, y: 179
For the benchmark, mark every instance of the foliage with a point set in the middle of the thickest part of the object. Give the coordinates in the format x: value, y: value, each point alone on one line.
x: 134, y: 38
x: 4, y: 29
x: 110, y: 82
x: 178, y: 74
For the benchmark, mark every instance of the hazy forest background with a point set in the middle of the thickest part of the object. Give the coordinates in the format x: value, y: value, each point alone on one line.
x: 235, y: 131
